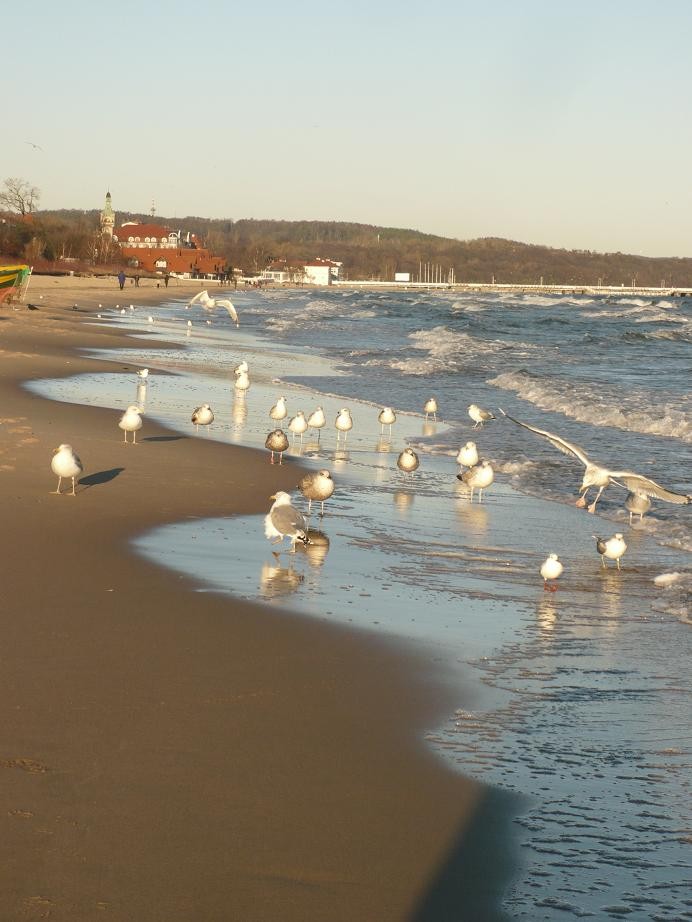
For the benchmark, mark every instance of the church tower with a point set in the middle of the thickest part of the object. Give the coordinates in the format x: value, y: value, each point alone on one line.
x: 108, y: 217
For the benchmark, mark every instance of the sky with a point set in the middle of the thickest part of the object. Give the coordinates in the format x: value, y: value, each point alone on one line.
x: 563, y: 124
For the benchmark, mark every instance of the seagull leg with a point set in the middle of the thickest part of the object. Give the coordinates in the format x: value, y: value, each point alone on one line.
x: 592, y: 507
x: 73, y: 491
x: 618, y: 562
x: 59, y: 482
x: 603, y: 563
x: 134, y: 438
x: 322, y: 512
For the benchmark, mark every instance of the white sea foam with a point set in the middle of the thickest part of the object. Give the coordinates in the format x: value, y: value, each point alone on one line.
x: 589, y: 405
x: 448, y: 349
x: 666, y: 579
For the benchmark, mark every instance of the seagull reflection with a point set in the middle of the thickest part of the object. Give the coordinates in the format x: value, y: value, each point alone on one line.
x: 546, y: 615
x: 141, y: 394
x: 341, y: 456
x: 611, y: 585
x: 473, y: 518
x: 429, y: 429
x: 276, y: 581
x: 238, y: 412
x: 383, y: 446
x: 318, y: 548
x: 403, y: 500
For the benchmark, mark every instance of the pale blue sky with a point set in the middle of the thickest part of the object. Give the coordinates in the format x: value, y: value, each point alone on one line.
x: 541, y: 121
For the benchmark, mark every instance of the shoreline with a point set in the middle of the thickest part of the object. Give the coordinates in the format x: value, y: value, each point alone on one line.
x: 191, y: 756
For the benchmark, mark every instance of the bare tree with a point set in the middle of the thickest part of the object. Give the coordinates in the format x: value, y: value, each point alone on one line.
x: 19, y: 196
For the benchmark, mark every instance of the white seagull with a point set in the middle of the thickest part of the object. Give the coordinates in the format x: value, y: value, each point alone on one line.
x: 408, y: 461
x: 467, y: 455
x: 317, y: 486
x: 612, y: 548
x: 298, y: 424
x: 131, y: 421
x: 210, y: 304
x: 242, y: 381
x: 479, y: 415
x: 279, y: 411
x: 143, y: 373
x: 241, y: 369
x: 343, y: 423
x: 387, y: 417
x: 284, y: 521
x: 65, y: 463
x: 637, y: 504
x: 430, y: 408
x: 202, y: 416
x: 479, y: 477
x: 551, y: 568
x: 597, y: 476
x: 317, y: 420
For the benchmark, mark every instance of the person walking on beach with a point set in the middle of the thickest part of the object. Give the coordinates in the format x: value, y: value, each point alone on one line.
x: 137, y: 280
x: 165, y: 279
x: 121, y: 279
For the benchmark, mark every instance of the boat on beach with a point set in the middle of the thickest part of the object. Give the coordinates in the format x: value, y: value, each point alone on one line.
x: 11, y: 280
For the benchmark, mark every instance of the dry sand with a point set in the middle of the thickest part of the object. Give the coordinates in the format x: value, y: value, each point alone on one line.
x: 173, y: 755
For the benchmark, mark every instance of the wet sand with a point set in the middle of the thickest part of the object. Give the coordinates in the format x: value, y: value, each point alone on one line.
x: 174, y: 755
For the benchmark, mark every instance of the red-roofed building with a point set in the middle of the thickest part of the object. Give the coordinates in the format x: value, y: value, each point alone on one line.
x: 158, y: 249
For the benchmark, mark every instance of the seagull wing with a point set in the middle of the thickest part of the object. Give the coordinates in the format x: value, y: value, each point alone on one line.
x: 637, y: 483
x: 199, y: 297
x: 567, y: 448
x: 232, y: 312
x: 288, y: 521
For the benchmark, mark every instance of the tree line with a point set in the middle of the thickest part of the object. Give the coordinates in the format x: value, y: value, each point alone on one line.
x: 48, y: 238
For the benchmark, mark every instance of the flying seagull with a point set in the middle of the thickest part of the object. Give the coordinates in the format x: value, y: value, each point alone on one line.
x: 597, y: 476
x: 210, y: 304
x: 35, y: 146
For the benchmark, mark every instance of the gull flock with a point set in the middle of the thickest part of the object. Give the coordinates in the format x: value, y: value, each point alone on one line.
x: 284, y: 520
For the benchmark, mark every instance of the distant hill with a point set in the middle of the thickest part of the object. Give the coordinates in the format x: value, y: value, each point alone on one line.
x: 368, y: 251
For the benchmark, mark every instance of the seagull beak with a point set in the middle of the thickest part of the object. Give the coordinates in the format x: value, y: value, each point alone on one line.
x: 273, y: 496
x: 55, y: 451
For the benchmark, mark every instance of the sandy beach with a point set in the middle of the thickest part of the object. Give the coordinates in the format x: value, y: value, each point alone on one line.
x: 175, y: 755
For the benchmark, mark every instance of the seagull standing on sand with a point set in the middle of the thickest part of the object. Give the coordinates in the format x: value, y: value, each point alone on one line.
x: 637, y: 504
x: 551, y: 568
x: 279, y: 412
x: 210, y: 304
x: 65, y: 463
x: 317, y: 486
x: 387, y: 417
x: 467, y: 455
x: 284, y: 521
x: 131, y: 421
x: 408, y: 461
x: 479, y: 415
x: 277, y: 443
x: 343, y: 423
x: 430, y: 408
x: 317, y: 420
x: 298, y: 424
x: 479, y: 477
x: 597, y: 476
x: 202, y: 416
x: 612, y: 548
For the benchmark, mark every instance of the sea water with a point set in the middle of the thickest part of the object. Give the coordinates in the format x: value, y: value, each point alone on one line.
x: 586, y: 701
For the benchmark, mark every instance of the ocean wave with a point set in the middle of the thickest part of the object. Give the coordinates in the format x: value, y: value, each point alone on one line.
x: 589, y: 405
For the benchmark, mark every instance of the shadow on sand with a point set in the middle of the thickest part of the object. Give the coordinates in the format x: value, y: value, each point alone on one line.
x: 479, y: 867
x: 94, y: 480
x: 163, y: 438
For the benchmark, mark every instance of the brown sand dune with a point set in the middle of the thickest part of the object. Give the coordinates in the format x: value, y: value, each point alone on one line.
x: 174, y: 755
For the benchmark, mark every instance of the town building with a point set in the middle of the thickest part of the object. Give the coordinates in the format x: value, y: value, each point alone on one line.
x: 318, y: 272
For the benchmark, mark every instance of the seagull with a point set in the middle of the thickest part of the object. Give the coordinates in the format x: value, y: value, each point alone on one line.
x: 317, y: 486
x: 343, y: 423
x: 317, y: 420
x: 242, y: 381
x: 35, y: 146
x: 279, y: 412
x: 241, y: 369
x: 612, y: 548
x: 202, y: 416
x: 65, y: 463
x: 637, y: 504
x: 143, y: 373
x: 131, y: 421
x: 284, y: 521
x: 211, y: 304
x: 408, y: 461
x: 277, y: 442
x: 467, y: 455
x: 479, y: 415
x: 479, y: 477
x: 387, y: 417
x: 430, y: 408
x: 597, y: 476
x: 551, y: 568
x: 298, y: 424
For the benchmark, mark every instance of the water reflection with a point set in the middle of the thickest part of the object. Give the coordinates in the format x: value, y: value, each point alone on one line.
x: 315, y: 552
x: 141, y: 398
x: 428, y: 429
x: 276, y: 581
x: 238, y: 413
x: 341, y: 456
x: 547, y: 614
x: 403, y: 500
x: 473, y: 518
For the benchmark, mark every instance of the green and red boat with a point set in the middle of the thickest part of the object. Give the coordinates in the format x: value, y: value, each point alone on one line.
x: 11, y: 280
